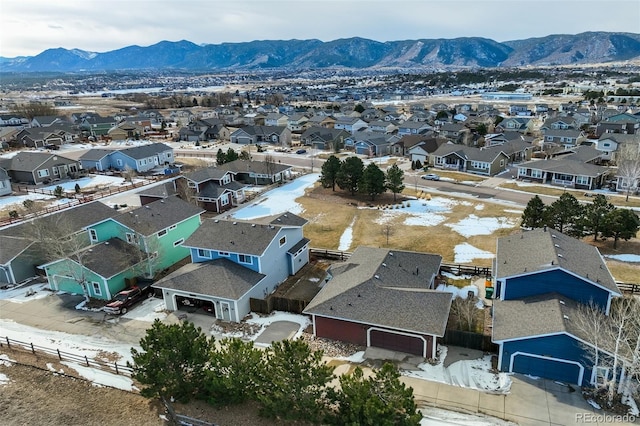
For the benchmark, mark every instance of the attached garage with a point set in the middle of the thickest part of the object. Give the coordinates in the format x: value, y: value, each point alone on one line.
x: 550, y: 368
x: 394, y: 341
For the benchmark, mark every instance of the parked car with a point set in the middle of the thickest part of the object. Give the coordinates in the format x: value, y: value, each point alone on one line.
x: 125, y: 299
x: 301, y: 151
x: 431, y: 176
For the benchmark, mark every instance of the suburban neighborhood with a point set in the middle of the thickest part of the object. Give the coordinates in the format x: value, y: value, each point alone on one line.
x: 390, y: 225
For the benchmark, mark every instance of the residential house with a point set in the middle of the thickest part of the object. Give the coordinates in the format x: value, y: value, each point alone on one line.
x: 564, y: 172
x: 252, y: 135
x: 383, y: 298
x: 350, y: 124
x: 565, y: 138
x: 609, y: 144
x: 429, y: 144
x: 39, y: 167
x: 12, y: 120
x: 324, y: 138
x: 96, y: 159
x: 275, y: 119
x: 215, y: 188
x: 160, y: 226
x: 322, y: 121
x: 483, y: 161
x: 235, y: 261
x: 126, y: 130
x: 381, y: 126
x: 20, y: 250
x: 258, y: 172
x: 519, y: 124
x: 142, y: 158
x: 542, y: 277
x: 5, y: 183
x: 46, y: 120
x: 413, y: 128
x: 95, y: 125
x: 559, y: 123
x: 373, y: 145
x: 455, y: 132
x: 297, y: 122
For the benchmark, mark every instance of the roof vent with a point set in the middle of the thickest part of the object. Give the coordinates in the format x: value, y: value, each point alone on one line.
x: 559, y: 255
x: 377, y: 277
x: 384, y: 264
x: 235, y: 223
x: 557, y: 245
x: 565, y: 317
x: 106, y: 243
x: 216, y: 221
x: 147, y: 207
x: 562, y: 302
x: 390, y: 254
x: 253, y: 225
x: 554, y: 236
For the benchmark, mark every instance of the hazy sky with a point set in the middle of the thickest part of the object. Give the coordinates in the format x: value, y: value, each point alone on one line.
x: 28, y: 27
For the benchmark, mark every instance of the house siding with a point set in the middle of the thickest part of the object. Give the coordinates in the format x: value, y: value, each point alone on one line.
x: 345, y: 331
x: 560, y: 346
x: 555, y: 281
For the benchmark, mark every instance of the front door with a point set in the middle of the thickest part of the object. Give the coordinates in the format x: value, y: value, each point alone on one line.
x: 226, y: 311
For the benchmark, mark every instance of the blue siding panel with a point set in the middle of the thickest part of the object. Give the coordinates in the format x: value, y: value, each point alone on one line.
x: 555, y: 281
x: 549, y: 369
x: 559, y: 346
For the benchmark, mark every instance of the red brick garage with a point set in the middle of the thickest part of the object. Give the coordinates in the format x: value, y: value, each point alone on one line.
x: 366, y: 335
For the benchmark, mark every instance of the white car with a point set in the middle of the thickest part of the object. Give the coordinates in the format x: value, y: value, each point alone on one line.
x: 431, y: 176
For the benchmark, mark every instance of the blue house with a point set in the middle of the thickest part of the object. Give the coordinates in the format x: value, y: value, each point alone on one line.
x: 141, y: 158
x: 541, y: 279
x: 234, y: 261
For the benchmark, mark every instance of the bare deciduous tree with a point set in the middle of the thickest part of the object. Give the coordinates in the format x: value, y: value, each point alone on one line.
x: 628, y: 161
x: 466, y: 312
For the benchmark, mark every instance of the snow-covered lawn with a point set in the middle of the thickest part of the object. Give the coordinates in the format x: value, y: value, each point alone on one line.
x: 91, y: 182
x: 631, y: 258
x: 9, y: 201
x: 347, y: 237
x: 420, y: 212
x: 474, y: 225
x: 465, y: 253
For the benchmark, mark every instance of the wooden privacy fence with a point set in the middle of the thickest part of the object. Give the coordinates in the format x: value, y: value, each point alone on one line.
x: 468, y: 339
x: 466, y: 269
x: 111, y: 367
x: 329, y: 254
x: 277, y: 303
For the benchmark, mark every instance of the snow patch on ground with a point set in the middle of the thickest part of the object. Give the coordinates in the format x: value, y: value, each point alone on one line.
x: 465, y: 253
x: 474, y: 225
x: 438, y: 417
x: 347, y: 237
x: 419, y: 212
x: 4, y: 379
x: 149, y: 310
x: 513, y: 211
x: 26, y: 293
x: 632, y: 258
x: 278, y: 200
x: 6, y: 361
x: 302, y: 320
x: 102, y: 377
x: 462, y: 293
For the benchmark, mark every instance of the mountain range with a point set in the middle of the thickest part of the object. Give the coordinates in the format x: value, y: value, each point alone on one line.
x: 351, y: 53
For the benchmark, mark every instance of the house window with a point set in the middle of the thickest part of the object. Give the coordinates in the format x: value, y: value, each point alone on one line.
x: 93, y: 235
x: 561, y: 176
x: 224, y: 200
x: 582, y: 180
x: 502, y: 163
x: 223, y: 253
x: 133, y: 238
x: 43, y: 173
x: 204, y: 253
x: 536, y: 173
x: 606, y: 144
x: 522, y: 171
x: 55, y: 171
x: 177, y: 243
x: 162, y: 233
x: 172, y: 227
x: 243, y: 258
x: 96, y: 288
x: 283, y: 240
x: 602, y: 374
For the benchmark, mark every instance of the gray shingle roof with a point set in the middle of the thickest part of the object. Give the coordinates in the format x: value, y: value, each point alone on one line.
x: 544, y: 250
x: 386, y: 288
x: 566, y: 166
x: 233, y: 236
x: 158, y: 215
x: 30, y: 160
x: 145, y: 151
x: 10, y: 247
x: 111, y: 257
x: 543, y: 314
x: 96, y: 154
x: 206, y: 174
x: 260, y: 167
x: 73, y: 219
x: 219, y: 278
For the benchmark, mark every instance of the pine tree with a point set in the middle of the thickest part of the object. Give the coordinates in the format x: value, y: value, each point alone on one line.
x: 329, y: 172
x: 220, y: 157
x: 594, y: 214
x: 395, y: 180
x: 620, y: 224
x: 372, y: 181
x: 231, y: 155
x: 351, y: 170
x: 534, y: 214
x: 564, y: 214
x: 378, y: 400
x: 172, y: 361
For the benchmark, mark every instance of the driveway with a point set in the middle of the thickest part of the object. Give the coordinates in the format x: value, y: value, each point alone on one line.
x: 277, y: 331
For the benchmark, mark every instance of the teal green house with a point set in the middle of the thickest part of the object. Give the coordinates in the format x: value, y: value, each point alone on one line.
x: 148, y: 240
x: 99, y: 271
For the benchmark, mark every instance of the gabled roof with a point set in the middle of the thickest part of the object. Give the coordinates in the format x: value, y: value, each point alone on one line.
x: 387, y: 288
x: 158, y: 215
x: 285, y: 219
x: 96, y: 154
x: 73, y: 219
x: 218, y: 278
x: 565, y: 166
x: 10, y: 247
x: 111, y: 257
x: 546, y: 249
x: 145, y: 151
x: 29, y: 161
x: 233, y: 236
x: 207, y: 173
x: 259, y: 167
x: 545, y: 314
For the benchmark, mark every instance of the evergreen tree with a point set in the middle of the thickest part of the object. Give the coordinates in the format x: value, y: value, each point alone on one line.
x: 378, y: 400
x: 230, y: 156
x: 594, y: 214
x: 418, y: 164
x: 413, y: 164
x: 234, y: 374
x: 372, y: 181
x: 329, y: 172
x: 220, y: 157
x: 348, y: 177
x: 620, y: 224
x: 564, y: 214
x: 294, y: 385
x: 172, y: 361
x: 395, y: 180
x: 534, y: 214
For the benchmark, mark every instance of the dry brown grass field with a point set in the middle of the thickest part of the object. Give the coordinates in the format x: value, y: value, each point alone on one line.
x: 615, y: 199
